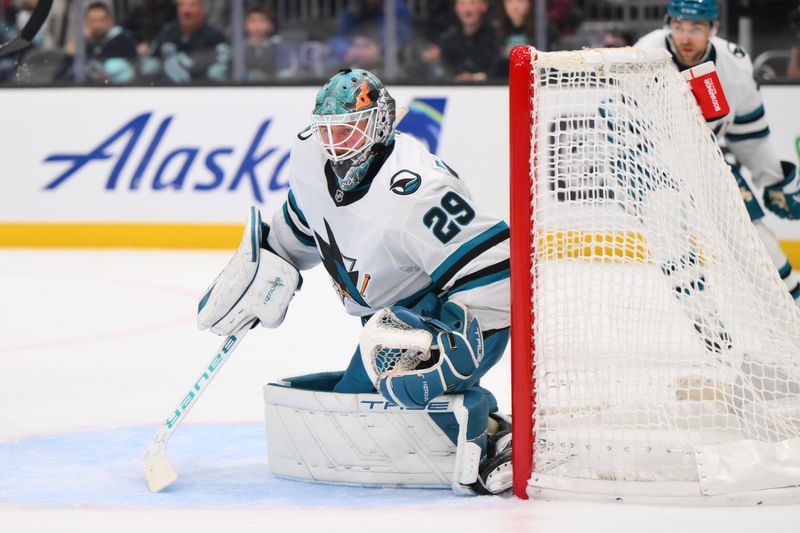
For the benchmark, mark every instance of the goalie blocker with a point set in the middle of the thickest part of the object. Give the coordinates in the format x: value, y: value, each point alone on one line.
x: 314, y: 434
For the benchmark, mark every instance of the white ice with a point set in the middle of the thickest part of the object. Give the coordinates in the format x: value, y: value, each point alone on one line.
x: 97, y: 346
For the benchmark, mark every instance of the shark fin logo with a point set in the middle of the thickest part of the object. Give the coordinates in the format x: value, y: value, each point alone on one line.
x: 341, y: 269
x: 405, y: 182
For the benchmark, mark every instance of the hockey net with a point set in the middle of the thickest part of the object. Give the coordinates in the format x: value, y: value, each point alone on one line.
x: 654, y: 347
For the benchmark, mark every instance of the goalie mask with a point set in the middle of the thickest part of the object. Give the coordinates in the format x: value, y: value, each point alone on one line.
x: 353, y: 119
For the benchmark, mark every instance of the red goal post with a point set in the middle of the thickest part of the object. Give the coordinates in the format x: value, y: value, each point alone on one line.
x: 520, y: 122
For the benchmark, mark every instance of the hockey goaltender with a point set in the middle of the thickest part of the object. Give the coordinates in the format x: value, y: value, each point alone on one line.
x: 428, y: 274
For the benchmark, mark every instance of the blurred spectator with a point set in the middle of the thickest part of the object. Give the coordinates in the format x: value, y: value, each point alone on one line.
x: 188, y: 49
x: 218, y: 15
x: 146, y: 19
x: 365, y: 52
x: 7, y: 17
x: 265, y: 57
x: 110, y: 50
x: 7, y: 32
x: 562, y: 17
x: 119, y: 8
x: 422, y: 58
x: 468, y: 50
x: 362, y: 16
x: 439, y: 18
x: 516, y: 27
x: 617, y: 39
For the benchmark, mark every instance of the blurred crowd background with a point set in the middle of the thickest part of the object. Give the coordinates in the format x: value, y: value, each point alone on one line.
x: 201, y: 42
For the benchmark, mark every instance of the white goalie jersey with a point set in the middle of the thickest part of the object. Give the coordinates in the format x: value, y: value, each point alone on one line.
x: 406, y: 231
x: 745, y: 128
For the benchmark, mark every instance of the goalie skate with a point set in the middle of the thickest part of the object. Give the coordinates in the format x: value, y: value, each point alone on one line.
x: 495, y: 474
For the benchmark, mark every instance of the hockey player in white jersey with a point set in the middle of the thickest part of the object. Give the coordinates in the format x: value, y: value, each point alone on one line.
x: 690, y: 36
x: 403, y: 243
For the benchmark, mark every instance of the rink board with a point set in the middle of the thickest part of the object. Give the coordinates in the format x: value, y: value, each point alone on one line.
x: 154, y: 167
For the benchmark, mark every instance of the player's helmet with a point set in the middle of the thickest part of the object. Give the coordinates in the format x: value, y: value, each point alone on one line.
x: 694, y: 10
x: 353, y: 118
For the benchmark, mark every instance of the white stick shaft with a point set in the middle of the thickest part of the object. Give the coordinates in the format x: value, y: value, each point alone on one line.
x: 399, y: 114
x: 157, y: 468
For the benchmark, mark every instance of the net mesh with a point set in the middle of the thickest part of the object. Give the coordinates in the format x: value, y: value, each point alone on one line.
x: 660, y: 323
x: 390, y: 359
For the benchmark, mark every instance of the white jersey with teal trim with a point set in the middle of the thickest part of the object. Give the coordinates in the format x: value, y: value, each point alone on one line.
x: 408, y: 230
x: 745, y: 128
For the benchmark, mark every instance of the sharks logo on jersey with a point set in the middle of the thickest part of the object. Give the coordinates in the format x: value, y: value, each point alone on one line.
x: 341, y: 269
x: 736, y: 50
x: 405, y: 182
x: 444, y: 166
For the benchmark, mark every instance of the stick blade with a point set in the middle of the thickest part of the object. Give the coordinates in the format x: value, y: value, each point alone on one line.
x: 158, y: 471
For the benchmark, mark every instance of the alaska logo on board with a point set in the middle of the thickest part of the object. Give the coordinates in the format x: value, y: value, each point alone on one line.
x: 145, y: 153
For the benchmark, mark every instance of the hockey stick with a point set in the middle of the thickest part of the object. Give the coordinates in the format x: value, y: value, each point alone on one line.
x: 157, y: 468
x: 400, y: 115
x: 24, y: 39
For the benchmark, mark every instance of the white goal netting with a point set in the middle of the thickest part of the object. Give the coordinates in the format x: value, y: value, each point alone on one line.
x: 666, y: 345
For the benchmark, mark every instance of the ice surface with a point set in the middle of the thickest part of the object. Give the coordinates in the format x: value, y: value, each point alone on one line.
x: 96, y: 347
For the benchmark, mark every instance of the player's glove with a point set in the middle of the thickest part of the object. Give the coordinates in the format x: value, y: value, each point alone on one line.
x: 412, y: 373
x: 783, y: 198
x: 256, y: 283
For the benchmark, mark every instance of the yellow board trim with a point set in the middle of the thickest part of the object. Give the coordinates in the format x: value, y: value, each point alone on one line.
x: 228, y: 236
x: 594, y: 245
x: 120, y: 235
x: 617, y: 246
x: 792, y: 251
